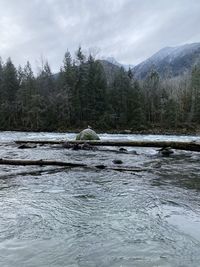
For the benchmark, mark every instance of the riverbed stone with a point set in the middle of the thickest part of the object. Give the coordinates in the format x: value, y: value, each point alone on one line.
x: 117, y: 161
x: 26, y: 146
x: 87, y: 134
x: 166, y: 151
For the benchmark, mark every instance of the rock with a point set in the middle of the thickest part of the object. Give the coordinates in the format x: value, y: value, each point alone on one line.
x: 67, y: 145
x: 76, y: 147
x: 121, y: 149
x: 165, y: 151
x: 26, y: 146
x: 100, y: 166
x: 86, y: 146
x: 133, y: 152
x: 127, y: 131
x: 87, y: 134
x: 117, y: 161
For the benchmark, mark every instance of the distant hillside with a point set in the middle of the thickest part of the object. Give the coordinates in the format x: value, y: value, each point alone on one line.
x: 110, y: 70
x: 115, y: 62
x: 170, y: 61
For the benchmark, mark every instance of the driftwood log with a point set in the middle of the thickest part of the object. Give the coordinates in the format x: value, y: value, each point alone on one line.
x: 40, y: 163
x: 33, y: 172
x: 190, y: 146
x: 23, y: 162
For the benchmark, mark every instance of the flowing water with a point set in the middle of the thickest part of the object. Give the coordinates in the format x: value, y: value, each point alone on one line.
x: 54, y: 216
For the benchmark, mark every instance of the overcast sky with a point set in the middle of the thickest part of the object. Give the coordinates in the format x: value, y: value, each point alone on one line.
x: 128, y: 30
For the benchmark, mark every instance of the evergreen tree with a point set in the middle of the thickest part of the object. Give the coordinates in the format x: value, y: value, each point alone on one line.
x: 1, y: 93
x: 170, y: 114
x: 9, y: 88
x: 80, y: 56
x: 152, y: 97
x: 10, y: 84
x: 1, y: 80
x: 81, y: 94
x: 80, y: 90
x: 119, y: 94
x: 95, y: 102
x: 45, y: 80
x: 195, y: 83
x: 68, y: 88
x: 26, y: 94
x: 135, y: 106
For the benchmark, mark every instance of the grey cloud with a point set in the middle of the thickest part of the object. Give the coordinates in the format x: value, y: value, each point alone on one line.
x: 129, y: 30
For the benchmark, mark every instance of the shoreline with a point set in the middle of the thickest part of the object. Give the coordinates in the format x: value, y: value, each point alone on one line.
x: 155, y: 131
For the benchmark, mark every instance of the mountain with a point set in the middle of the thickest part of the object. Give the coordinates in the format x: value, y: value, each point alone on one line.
x: 110, y: 69
x: 115, y: 62
x: 170, y: 61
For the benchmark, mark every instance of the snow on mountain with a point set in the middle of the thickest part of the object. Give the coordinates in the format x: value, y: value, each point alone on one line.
x: 170, y: 61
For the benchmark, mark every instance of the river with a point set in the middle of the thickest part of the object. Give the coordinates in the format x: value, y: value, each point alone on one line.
x: 56, y: 217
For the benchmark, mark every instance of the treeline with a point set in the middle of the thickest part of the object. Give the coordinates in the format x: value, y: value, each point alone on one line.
x: 81, y: 94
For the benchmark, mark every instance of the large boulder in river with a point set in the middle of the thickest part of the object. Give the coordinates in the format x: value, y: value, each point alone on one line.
x: 87, y: 134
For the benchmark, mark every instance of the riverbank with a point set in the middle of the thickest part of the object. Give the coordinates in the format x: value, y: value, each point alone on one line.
x: 157, y: 131
x: 152, y: 131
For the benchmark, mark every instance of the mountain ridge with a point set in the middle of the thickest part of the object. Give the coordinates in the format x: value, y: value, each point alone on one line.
x: 170, y: 61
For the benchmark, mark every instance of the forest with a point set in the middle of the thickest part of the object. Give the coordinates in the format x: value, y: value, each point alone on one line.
x: 81, y: 94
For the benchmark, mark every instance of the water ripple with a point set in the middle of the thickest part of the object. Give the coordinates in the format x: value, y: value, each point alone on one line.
x: 61, y: 217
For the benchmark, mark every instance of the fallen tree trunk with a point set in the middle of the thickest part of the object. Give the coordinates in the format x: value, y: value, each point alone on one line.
x: 23, y: 162
x: 40, y: 163
x: 34, y: 172
x: 41, y: 142
x: 190, y: 146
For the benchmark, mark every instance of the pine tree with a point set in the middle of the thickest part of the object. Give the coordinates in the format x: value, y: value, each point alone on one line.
x: 1, y: 80
x: 80, y: 56
x: 10, y: 84
x: 80, y: 90
x: 195, y: 84
x: 170, y: 114
x: 119, y: 94
x: 26, y: 93
x: 135, y: 106
x: 152, y: 97
x: 9, y: 88
x: 45, y: 80
x: 69, y: 82
x: 1, y: 93
x: 95, y: 103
